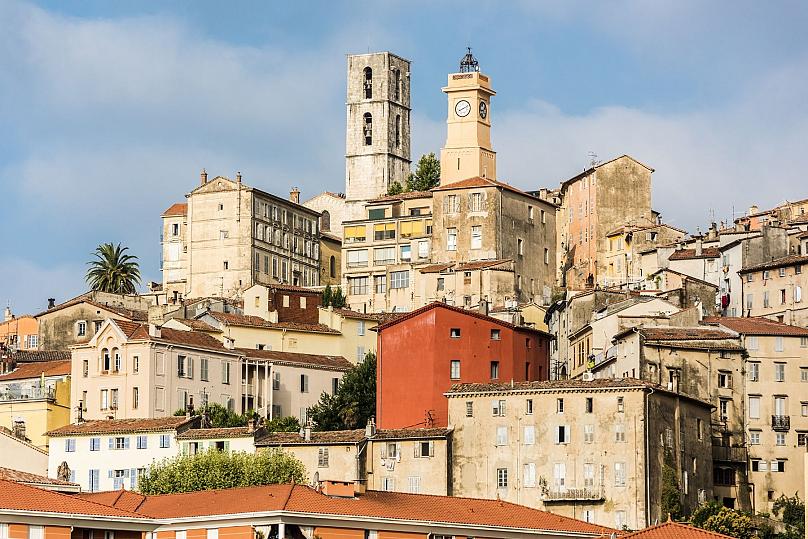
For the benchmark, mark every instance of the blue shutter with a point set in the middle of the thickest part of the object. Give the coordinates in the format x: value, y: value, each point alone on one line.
x: 109, y: 474
x: 112, y: 443
x: 126, y: 443
x: 132, y: 478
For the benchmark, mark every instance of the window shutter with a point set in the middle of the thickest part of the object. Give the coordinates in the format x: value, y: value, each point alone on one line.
x: 132, y: 478
x: 190, y: 372
x: 67, y: 445
x: 126, y: 443
x: 109, y: 474
x: 417, y: 450
x: 112, y: 443
x: 384, y: 451
x: 431, y: 449
x: 502, y: 408
x: 398, y: 451
x: 227, y: 445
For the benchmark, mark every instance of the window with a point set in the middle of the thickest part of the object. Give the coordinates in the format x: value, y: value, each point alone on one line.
x: 802, y: 439
x: 502, y: 436
x: 766, y: 300
x: 380, y: 283
x: 589, y: 434
x: 754, y: 371
x: 559, y: 406
x: 723, y: 409
x: 498, y: 408
x: 398, y: 130
x: 454, y: 333
x: 399, y: 279
x: 406, y: 253
x: 476, y: 202
x: 367, y: 130
x: 495, y: 370
x: 765, y: 274
x: 520, y: 250
x: 529, y: 479
x: 749, y: 302
x: 778, y: 343
x: 589, y: 405
x: 358, y: 285
x: 119, y: 442
x: 94, y: 480
x: 502, y: 477
x: 181, y: 366
x: 322, y: 457
x: 779, y: 372
x: 451, y: 239
x: 780, y: 438
x: 425, y: 449
x: 778, y: 465
x: 423, y: 249
x: 441, y: 284
x: 759, y: 465
x: 85, y: 368
x: 225, y: 372
x: 620, y: 432
x: 452, y: 204
x: 357, y: 258
x: 212, y: 533
x: 165, y: 441
x: 135, y: 397
x: 367, y: 82
x: 724, y: 379
x: 619, y: 474
x: 620, y: 405
x: 797, y: 296
x: 529, y: 435
x: 620, y: 519
x: 81, y: 328
x: 470, y: 409
x: 95, y: 444
x: 454, y: 369
x: 384, y: 231
x: 304, y: 383
x: 560, y: 476
x: 360, y: 353
x: 562, y: 434
x: 699, y: 430
x: 754, y: 407
x: 70, y: 445
x: 476, y: 237
x: 529, y: 407
x: 803, y: 374
x: 495, y: 334
x: 105, y: 399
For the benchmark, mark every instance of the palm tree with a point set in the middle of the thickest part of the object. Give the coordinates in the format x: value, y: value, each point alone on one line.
x: 113, y: 270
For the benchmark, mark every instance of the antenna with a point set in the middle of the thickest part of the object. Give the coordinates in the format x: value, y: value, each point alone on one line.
x: 593, y: 159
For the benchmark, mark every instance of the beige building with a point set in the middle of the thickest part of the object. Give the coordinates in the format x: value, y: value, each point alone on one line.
x: 625, y: 244
x: 232, y: 439
x: 234, y: 236
x: 21, y: 455
x: 776, y: 409
x: 415, y: 461
x: 330, y: 259
x: 594, y: 451
x: 522, y: 314
x: 132, y: 370
x: 775, y: 290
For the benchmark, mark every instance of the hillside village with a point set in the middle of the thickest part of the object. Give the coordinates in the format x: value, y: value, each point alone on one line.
x: 550, y: 361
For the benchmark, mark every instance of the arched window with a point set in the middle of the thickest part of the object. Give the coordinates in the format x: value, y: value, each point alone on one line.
x: 368, y: 129
x: 332, y: 267
x: 397, y: 81
x: 105, y: 360
x: 325, y: 221
x: 398, y: 130
x: 367, y: 84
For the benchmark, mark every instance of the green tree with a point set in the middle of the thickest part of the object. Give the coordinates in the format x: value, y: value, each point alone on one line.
x: 353, y: 404
x: 219, y: 416
x: 395, y: 188
x: 283, y: 424
x: 427, y: 174
x: 671, y: 503
x: 732, y: 523
x: 333, y: 297
x: 220, y: 470
x: 704, y: 512
x: 113, y: 270
x: 793, y: 510
x: 327, y: 293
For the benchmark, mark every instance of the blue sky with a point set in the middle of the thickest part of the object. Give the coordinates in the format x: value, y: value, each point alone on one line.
x: 109, y: 110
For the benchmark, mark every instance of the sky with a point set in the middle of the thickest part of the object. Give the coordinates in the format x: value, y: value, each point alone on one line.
x: 109, y: 110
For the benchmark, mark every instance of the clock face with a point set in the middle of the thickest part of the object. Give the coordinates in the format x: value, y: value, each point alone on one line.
x: 483, y: 109
x: 462, y: 108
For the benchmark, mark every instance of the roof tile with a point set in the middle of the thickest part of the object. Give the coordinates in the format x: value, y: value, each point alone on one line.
x: 37, y: 369
x: 112, y: 426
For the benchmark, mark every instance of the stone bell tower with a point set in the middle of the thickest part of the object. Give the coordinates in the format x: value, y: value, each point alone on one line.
x: 468, y: 152
x: 377, y: 141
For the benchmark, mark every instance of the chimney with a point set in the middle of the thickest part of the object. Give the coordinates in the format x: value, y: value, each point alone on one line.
x: 230, y: 344
x: 338, y: 489
x: 203, y: 177
x: 753, y: 210
x: 698, y: 247
x: 238, y: 176
x: 370, y: 428
x: 7, y: 315
x: 294, y: 195
x: 154, y: 331
x: 51, y: 303
x: 307, y: 431
x: 251, y: 424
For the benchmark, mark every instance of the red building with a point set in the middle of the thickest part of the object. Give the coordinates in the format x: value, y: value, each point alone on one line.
x: 422, y: 353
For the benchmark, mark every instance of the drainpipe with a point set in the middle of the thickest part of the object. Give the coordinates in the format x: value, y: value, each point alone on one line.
x: 647, y: 451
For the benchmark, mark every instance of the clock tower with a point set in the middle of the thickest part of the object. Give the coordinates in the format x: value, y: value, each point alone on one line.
x: 468, y: 151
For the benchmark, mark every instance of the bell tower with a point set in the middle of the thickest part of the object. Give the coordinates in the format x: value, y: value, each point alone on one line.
x: 377, y: 141
x: 468, y: 152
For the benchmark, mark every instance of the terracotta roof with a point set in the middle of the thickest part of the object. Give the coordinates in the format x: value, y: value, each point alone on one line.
x: 232, y: 319
x: 30, y: 356
x: 757, y: 326
x: 7, y: 474
x: 377, y: 317
x: 293, y: 288
x: 685, y: 334
x: 440, y: 305
x: 575, y: 383
x: 481, y: 264
x: 792, y: 260
x: 675, y: 530
x: 592, y: 169
x: 197, y: 325
x: 685, y: 276
x: 689, y: 254
x: 123, y: 426
x: 20, y: 497
x: 436, y: 268
x: 470, y: 183
x: 402, y: 196
x: 223, y: 432
x: 338, y: 363
x: 37, y: 369
x: 121, y: 499
x: 438, y: 509
x: 410, y: 434
x: 317, y: 438
x: 180, y: 208
x: 131, y: 314
x: 327, y: 235
x: 196, y: 339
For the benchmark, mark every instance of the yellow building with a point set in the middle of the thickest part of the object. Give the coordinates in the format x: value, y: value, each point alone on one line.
x: 35, y: 399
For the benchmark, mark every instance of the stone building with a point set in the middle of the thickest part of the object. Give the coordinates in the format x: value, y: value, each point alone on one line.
x: 625, y: 243
x: 776, y: 410
x: 597, y: 201
x: 775, y: 290
x: 588, y: 450
x: 234, y: 236
x: 330, y: 259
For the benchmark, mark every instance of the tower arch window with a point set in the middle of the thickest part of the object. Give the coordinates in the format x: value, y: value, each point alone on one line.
x: 397, y: 82
x: 367, y: 82
x: 398, y: 130
x: 368, y: 129
x: 325, y: 221
x: 332, y: 267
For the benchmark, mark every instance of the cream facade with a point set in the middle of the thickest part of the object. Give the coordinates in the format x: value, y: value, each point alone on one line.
x: 592, y: 451
x: 623, y: 260
x: 21, y: 455
x: 776, y: 289
x: 232, y: 439
x: 130, y: 370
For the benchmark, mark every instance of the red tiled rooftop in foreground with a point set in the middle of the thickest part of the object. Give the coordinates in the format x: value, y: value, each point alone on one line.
x: 18, y: 497
x: 180, y: 208
x: 675, y: 530
x: 757, y: 325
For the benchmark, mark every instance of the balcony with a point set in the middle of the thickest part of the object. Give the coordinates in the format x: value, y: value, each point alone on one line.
x: 723, y: 453
x: 781, y: 423
x: 573, y: 495
x: 30, y: 394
